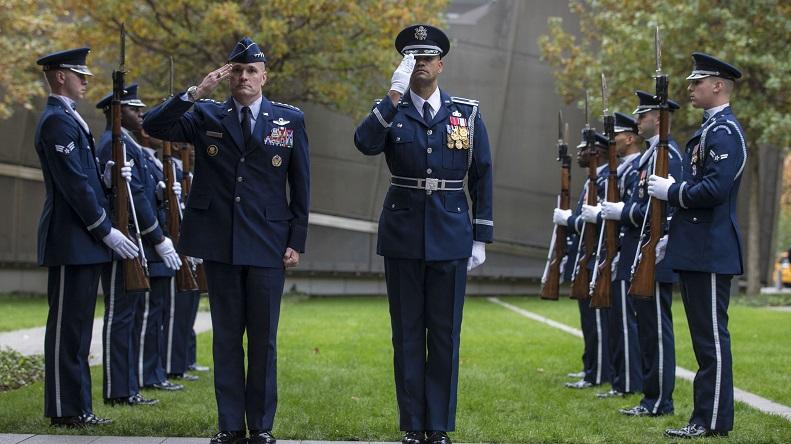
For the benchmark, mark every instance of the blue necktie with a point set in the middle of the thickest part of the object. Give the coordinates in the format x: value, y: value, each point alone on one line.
x: 427, y: 113
x: 246, y: 131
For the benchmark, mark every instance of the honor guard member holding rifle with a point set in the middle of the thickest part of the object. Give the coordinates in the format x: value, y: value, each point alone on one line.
x: 704, y: 244
x: 596, y: 363
x: 627, y: 374
x: 120, y: 354
x: 243, y: 223
x: 74, y: 234
x: 431, y: 142
x: 654, y: 316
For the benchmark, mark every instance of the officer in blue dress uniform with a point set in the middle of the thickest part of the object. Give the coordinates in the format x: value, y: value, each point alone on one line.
x: 74, y: 234
x: 627, y: 374
x: 657, y: 344
x: 704, y: 244
x: 244, y: 224
x: 431, y: 143
x: 121, y: 383
x: 594, y: 322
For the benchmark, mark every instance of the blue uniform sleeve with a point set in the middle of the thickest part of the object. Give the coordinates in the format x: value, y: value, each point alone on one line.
x: 299, y: 186
x: 371, y: 136
x: 170, y: 121
x: 61, y: 140
x: 480, y: 184
x: 726, y: 154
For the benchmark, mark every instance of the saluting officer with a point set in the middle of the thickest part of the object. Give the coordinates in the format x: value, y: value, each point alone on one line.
x: 594, y: 322
x: 121, y: 382
x: 242, y: 222
x: 431, y: 142
x: 704, y: 243
x: 74, y: 234
x: 627, y: 374
x: 654, y: 316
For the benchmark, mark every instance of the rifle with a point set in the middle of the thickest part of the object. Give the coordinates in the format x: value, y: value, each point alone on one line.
x: 135, y: 270
x: 185, y: 281
x: 186, y: 183
x: 550, y: 288
x: 601, y: 284
x: 581, y: 276
x: 644, y: 269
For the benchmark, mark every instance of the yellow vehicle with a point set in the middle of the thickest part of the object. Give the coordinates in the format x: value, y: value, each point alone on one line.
x: 783, y: 270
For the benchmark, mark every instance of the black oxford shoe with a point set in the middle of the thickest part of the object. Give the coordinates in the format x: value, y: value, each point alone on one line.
x: 437, y: 437
x: 167, y: 385
x: 86, y: 420
x: 413, y: 438
x: 225, y: 437
x: 261, y: 437
x: 692, y: 431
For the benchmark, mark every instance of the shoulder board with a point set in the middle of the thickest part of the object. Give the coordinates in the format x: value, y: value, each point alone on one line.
x: 286, y: 105
x: 462, y: 100
x: 377, y: 101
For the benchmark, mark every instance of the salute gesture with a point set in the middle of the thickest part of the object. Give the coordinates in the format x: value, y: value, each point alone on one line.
x: 210, y: 82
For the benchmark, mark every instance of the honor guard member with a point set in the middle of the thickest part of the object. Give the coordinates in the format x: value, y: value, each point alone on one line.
x: 431, y: 142
x: 596, y: 362
x: 704, y: 244
x: 74, y: 234
x: 244, y: 224
x: 654, y: 316
x: 627, y: 376
x: 119, y: 357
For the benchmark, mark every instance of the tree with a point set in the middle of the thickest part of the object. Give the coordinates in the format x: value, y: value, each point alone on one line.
x: 616, y: 37
x: 327, y: 52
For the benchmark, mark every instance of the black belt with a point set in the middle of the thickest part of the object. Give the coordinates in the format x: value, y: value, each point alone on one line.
x: 429, y: 184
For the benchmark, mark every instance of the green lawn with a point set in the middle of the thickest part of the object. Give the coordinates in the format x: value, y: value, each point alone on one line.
x: 335, y: 381
x: 27, y: 311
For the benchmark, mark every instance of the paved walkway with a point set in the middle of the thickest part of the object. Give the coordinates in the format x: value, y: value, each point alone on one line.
x: 75, y: 439
x: 30, y: 341
x: 753, y: 400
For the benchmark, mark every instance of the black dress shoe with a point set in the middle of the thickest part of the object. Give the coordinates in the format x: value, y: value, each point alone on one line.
x: 137, y: 399
x: 437, y: 437
x: 198, y: 368
x: 85, y: 420
x: 183, y: 376
x: 167, y: 385
x: 228, y: 438
x: 261, y: 437
x: 413, y: 438
x: 612, y: 393
x: 692, y: 431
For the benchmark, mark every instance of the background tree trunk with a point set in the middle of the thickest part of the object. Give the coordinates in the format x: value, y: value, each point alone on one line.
x: 754, y: 223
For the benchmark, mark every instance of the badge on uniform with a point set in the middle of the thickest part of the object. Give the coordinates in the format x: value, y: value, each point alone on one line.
x: 280, y: 136
x: 641, y: 184
x: 458, y: 134
x: 212, y: 150
x: 65, y: 149
x: 277, y: 161
x: 695, y: 156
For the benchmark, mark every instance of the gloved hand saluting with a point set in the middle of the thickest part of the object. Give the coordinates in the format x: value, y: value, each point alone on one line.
x: 400, y: 80
x: 121, y: 244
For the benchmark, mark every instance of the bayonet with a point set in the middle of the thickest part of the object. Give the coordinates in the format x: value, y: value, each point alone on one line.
x: 604, y: 94
x: 123, y: 49
x: 587, y: 121
x: 560, y: 126
x: 172, y: 76
x: 658, y: 51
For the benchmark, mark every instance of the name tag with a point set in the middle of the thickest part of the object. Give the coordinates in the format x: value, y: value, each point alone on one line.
x: 214, y: 134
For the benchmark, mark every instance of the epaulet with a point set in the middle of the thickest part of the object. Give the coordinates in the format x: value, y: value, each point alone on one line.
x: 377, y: 101
x: 286, y: 105
x: 462, y: 100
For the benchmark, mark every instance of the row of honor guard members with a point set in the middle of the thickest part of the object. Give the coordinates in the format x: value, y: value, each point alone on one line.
x: 703, y: 246
x: 74, y: 235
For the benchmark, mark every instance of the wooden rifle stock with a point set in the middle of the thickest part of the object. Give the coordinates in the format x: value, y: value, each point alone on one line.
x: 601, y: 296
x: 185, y: 281
x: 135, y: 278
x: 550, y: 288
x: 580, y: 286
x: 186, y: 183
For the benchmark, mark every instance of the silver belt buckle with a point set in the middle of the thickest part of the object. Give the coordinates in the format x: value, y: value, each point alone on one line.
x: 432, y: 184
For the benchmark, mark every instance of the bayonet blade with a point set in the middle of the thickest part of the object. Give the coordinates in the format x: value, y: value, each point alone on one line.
x: 566, y: 132
x: 560, y: 125
x: 587, y: 121
x: 658, y: 50
x: 123, y: 47
x: 604, y: 94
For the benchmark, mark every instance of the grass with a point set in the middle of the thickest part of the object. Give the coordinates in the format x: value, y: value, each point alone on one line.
x: 336, y: 382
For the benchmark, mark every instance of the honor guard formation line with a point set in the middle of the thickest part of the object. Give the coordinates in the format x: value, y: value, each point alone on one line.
x: 127, y: 212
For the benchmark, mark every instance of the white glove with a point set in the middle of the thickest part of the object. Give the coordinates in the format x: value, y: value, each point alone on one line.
x: 614, y: 267
x: 561, y: 217
x: 402, y: 74
x: 107, y: 174
x: 658, y: 186
x: 168, y: 254
x: 194, y: 260
x: 478, y: 255
x: 121, y: 244
x: 612, y: 210
x: 160, y: 191
x: 590, y: 213
x: 661, y: 246
x: 177, y: 188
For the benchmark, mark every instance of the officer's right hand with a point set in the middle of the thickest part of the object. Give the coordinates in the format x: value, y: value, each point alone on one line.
x: 561, y: 217
x: 400, y: 80
x: 107, y: 174
x: 213, y: 79
x: 168, y: 254
x: 121, y: 244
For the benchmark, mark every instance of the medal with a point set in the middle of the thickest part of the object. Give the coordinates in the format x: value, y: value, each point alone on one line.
x: 463, y: 132
x: 212, y: 150
x: 451, y: 143
x: 458, y: 145
x: 277, y: 161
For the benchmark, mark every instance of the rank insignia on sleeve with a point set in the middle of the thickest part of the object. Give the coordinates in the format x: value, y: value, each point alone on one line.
x: 277, y: 161
x: 212, y: 150
x: 65, y: 149
x: 280, y: 136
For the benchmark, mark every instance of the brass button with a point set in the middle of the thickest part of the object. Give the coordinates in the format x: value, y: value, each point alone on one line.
x: 428, y: 150
x: 694, y: 219
x: 458, y: 208
x: 429, y: 132
x: 399, y: 125
x: 398, y: 139
x: 238, y: 199
x: 241, y: 160
x: 239, y: 179
x: 392, y: 206
x: 428, y: 171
